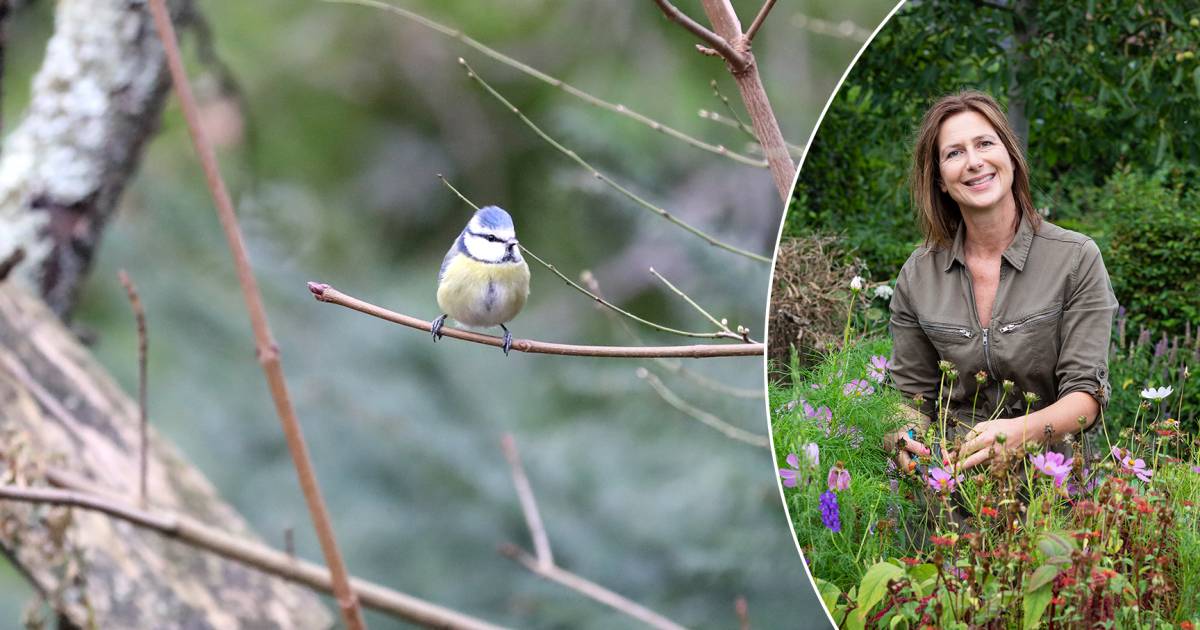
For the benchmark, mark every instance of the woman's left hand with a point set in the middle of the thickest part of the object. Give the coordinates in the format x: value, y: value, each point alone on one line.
x: 981, y: 444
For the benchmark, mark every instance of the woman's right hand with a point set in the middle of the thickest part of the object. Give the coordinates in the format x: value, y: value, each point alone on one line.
x: 905, y: 447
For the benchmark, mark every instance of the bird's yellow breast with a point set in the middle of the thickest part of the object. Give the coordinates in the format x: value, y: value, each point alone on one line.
x: 483, y: 294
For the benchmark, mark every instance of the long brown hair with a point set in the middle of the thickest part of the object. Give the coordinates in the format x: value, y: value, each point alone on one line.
x: 938, y: 214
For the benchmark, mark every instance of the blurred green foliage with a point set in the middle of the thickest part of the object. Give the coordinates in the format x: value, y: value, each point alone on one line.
x: 349, y: 114
x: 1108, y: 91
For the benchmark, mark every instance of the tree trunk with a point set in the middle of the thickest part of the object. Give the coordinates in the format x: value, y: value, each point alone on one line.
x: 60, y: 410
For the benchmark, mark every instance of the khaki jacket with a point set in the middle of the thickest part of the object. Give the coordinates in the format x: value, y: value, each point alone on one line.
x: 1049, y: 331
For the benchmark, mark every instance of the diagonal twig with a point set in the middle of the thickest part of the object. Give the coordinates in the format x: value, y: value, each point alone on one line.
x: 267, y: 350
x: 736, y: 60
x: 543, y: 563
x: 704, y: 417
x: 758, y: 20
x: 81, y: 494
x: 326, y: 293
x: 139, y: 315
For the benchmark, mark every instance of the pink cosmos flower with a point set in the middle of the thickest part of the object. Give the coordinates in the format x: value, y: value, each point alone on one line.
x: 940, y: 480
x: 877, y: 370
x: 812, y: 455
x: 858, y: 387
x: 1054, y: 465
x: 791, y: 475
x: 1131, y: 465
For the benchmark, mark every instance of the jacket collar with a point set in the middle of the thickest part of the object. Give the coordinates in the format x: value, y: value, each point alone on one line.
x: 1016, y: 254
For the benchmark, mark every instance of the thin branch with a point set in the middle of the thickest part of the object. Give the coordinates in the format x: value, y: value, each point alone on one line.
x: 743, y: 333
x: 736, y: 60
x: 846, y: 29
x: 558, y: 83
x: 272, y: 561
x: 758, y: 20
x: 268, y: 351
x: 326, y: 293
x: 723, y: 333
x: 673, y: 366
x: 743, y: 612
x: 11, y: 260
x: 139, y: 315
x: 604, y: 178
x: 795, y: 149
x: 543, y: 563
x: 746, y: 129
x: 706, y: 418
x: 533, y: 518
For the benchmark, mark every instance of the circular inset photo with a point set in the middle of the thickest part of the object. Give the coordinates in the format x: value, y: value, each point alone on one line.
x: 984, y: 318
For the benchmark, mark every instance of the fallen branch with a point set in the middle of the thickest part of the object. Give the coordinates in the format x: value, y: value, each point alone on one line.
x: 326, y: 293
x: 543, y: 563
x: 258, y: 556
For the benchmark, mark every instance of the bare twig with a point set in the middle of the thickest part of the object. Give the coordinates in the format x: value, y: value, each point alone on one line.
x: 12, y: 260
x: 268, y: 351
x: 604, y: 178
x: 795, y: 149
x: 846, y: 29
x: 758, y: 20
x: 738, y: 124
x: 718, y: 323
x: 543, y: 563
x: 706, y: 418
x: 139, y: 315
x: 736, y: 60
x: 743, y: 612
x: 558, y: 83
x: 261, y: 557
x: 723, y: 333
x: 326, y: 293
x: 533, y: 518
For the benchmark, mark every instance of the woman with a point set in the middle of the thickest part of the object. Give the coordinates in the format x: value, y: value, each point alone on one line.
x: 996, y: 291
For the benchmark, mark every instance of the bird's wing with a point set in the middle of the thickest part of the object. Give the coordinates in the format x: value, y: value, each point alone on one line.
x: 450, y: 255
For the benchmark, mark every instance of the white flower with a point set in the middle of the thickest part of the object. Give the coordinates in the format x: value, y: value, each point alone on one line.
x: 856, y: 283
x: 1157, y: 393
x: 883, y: 291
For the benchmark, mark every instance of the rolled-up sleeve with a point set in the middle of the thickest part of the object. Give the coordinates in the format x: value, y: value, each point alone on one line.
x: 914, y: 359
x: 1087, y: 317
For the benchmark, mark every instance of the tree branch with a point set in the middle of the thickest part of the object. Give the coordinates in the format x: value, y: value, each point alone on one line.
x: 139, y: 315
x: 704, y: 417
x: 543, y: 563
x: 736, y: 60
x: 758, y: 20
x: 258, y: 556
x: 326, y: 293
x: 268, y: 351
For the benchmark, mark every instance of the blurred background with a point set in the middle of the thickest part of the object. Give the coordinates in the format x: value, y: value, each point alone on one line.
x: 332, y: 121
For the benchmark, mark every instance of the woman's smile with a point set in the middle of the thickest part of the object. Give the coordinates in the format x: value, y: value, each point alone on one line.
x: 975, y: 167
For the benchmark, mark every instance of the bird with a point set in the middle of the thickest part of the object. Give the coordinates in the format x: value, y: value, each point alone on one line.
x: 483, y: 281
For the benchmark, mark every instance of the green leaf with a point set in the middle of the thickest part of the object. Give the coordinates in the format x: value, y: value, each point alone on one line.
x: 1056, y: 547
x: 874, y: 584
x: 1042, y: 576
x: 1034, y: 607
x: 829, y: 593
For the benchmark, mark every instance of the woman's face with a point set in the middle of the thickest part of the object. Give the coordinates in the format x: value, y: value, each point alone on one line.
x: 975, y: 168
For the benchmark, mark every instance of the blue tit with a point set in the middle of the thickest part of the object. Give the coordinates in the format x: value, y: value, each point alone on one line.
x: 484, y: 281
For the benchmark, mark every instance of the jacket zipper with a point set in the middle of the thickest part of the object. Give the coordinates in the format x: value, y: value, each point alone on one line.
x: 954, y: 330
x: 1007, y: 328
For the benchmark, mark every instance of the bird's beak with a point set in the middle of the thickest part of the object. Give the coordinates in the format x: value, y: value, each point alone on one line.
x: 514, y: 243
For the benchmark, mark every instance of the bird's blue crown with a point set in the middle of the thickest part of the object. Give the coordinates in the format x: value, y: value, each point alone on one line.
x: 493, y: 218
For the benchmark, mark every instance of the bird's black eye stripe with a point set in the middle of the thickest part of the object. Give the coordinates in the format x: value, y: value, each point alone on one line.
x: 489, y: 237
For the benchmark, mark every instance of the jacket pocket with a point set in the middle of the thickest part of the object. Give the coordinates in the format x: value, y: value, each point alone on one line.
x: 1035, y: 320
x: 946, y: 332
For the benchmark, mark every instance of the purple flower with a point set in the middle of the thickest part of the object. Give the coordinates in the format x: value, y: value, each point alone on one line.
x: 819, y: 413
x: 941, y: 480
x: 1054, y: 465
x: 839, y: 478
x: 1196, y: 469
x: 1131, y: 465
x: 877, y: 370
x: 812, y: 455
x: 791, y: 475
x: 1091, y: 483
x: 858, y: 387
x: 829, y: 512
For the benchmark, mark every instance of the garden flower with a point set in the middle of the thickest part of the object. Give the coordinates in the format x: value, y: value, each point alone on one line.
x: 877, y: 371
x: 819, y: 413
x: 812, y: 455
x: 791, y: 476
x: 829, y: 512
x: 858, y: 387
x: 883, y: 291
x: 1131, y: 465
x: 839, y: 478
x: 1156, y: 393
x: 1196, y: 469
x: 941, y: 480
x: 856, y: 284
x: 1054, y: 465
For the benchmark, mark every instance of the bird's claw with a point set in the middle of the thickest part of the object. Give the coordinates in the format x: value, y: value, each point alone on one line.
x: 507, y: 340
x: 436, y: 328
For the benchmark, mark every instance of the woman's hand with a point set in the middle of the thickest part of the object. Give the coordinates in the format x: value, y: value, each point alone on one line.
x: 981, y: 444
x: 905, y: 446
